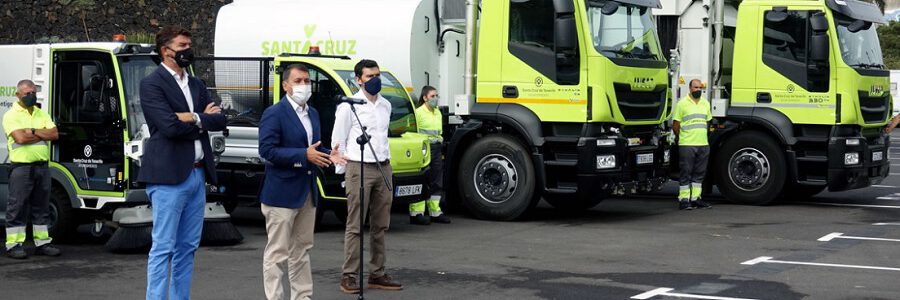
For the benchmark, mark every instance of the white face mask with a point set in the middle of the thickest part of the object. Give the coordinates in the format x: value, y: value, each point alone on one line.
x: 301, y: 93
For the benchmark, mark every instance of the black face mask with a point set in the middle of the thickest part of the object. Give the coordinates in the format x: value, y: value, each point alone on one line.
x: 696, y: 94
x: 184, y: 58
x: 29, y: 99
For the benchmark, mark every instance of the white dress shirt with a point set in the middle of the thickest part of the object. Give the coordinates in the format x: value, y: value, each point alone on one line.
x: 186, y: 90
x: 376, y: 117
x: 303, y: 114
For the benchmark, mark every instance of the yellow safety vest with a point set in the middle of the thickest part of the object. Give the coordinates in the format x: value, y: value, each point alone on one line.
x: 19, y: 118
x: 693, y: 118
x: 430, y: 122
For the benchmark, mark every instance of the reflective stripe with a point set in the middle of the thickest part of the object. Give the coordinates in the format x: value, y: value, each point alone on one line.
x: 696, y: 185
x: 416, y: 208
x: 788, y: 105
x: 430, y: 131
x: 41, y: 235
x: 694, y: 126
x: 693, y: 116
x: 684, y: 192
x: 16, y: 146
x: 14, y: 236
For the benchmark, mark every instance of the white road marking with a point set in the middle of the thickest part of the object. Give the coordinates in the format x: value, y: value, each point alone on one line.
x: 851, y: 205
x: 666, y: 292
x: 886, y: 224
x: 769, y: 260
x: 838, y: 235
x: 884, y: 186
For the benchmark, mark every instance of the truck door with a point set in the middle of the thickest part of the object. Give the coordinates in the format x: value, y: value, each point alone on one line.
x: 790, y: 79
x: 541, y: 61
x: 85, y: 106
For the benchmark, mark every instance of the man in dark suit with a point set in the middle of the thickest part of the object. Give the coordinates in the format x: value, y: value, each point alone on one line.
x: 177, y: 162
x: 289, y: 141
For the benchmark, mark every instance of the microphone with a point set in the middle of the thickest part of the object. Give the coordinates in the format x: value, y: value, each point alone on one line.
x: 345, y: 99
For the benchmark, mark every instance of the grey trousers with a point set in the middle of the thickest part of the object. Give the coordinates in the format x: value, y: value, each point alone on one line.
x: 29, y: 188
x: 692, y: 161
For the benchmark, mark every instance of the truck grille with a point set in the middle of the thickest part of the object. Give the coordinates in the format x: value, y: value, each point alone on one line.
x: 640, y: 106
x: 874, y: 109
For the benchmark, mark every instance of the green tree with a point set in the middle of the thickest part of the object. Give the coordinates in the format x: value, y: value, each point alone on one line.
x: 889, y: 35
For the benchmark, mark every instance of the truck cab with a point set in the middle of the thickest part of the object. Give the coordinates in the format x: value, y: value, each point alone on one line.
x: 241, y: 169
x: 800, y: 91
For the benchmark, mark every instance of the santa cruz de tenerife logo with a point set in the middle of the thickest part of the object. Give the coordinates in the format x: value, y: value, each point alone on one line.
x: 88, y: 151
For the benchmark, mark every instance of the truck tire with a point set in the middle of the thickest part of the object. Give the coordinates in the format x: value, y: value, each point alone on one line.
x: 571, y: 203
x: 496, y: 179
x: 63, y: 218
x: 751, y: 169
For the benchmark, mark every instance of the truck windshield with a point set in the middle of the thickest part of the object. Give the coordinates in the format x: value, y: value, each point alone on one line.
x: 403, y: 118
x: 859, y: 49
x: 626, y: 33
x: 134, y: 68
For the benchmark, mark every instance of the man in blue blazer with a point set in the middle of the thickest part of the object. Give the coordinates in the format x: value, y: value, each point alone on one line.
x: 177, y: 162
x: 289, y: 141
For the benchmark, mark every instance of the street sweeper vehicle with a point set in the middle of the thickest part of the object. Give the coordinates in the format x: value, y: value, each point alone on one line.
x: 91, y: 91
x: 563, y: 99
x: 798, y: 89
x: 246, y: 86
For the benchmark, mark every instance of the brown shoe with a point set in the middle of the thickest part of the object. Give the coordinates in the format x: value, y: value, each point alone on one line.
x: 384, y: 283
x: 349, y: 285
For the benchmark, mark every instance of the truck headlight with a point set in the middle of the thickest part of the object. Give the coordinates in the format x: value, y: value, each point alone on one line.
x: 851, y: 158
x: 606, y: 143
x: 424, y: 149
x: 606, y: 161
x: 666, y: 156
x: 852, y: 142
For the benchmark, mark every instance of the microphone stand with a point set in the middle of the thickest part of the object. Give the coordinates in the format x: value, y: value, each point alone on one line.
x: 362, y: 140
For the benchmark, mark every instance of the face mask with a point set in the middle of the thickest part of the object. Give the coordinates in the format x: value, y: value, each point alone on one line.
x: 696, y: 94
x: 29, y: 100
x: 373, y: 86
x: 433, y: 102
x: 184, y: 58
x: 301, y: 93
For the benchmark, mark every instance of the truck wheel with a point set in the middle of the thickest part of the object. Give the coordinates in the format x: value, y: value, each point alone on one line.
x: 496, y: 179
x: 800, y: 192
x: 751, y: 169
x: 571, y: 203
x: 63, y: 220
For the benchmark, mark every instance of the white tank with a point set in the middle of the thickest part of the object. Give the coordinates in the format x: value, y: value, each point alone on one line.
x: 399, y: 34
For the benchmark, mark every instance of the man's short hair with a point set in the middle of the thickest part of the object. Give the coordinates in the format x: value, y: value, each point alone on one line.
x: 23, y: 83
x: 695, y: 80
x: 290, y: 68
x: 362, y: 64
x: 167, y: 34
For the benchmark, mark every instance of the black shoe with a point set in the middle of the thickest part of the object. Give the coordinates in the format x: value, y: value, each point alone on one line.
x: 443, y: 219
x: 699, y: 203
x: 684, y: 205
x: 17, y: 252
x: 419, y: 219
x: 47, y: 250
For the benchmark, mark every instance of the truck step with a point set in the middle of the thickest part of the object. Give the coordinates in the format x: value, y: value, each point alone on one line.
x: 812, y: 139
x: 561, y: 139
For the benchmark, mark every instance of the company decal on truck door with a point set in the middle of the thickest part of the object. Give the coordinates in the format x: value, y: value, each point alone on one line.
x: 327, y: 47
x: 7, y: 91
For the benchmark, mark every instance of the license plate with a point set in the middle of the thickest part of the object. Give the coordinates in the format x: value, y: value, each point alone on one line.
x: 877, y: 156
x: 407, y: 190
x: 646, y: 158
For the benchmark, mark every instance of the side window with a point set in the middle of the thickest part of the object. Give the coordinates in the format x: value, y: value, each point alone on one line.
x: 532, y: 39
x: 786, y: 49
x: 324, y: 88
x: 89, y: 97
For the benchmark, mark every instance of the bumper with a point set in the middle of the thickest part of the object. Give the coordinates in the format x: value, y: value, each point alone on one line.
x: 637, y: 168
x: 866, y: 172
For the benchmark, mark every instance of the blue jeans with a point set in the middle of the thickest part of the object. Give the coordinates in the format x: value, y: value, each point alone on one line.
x: 177, y: 224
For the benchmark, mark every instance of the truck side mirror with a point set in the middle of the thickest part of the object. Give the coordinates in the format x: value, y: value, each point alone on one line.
x: 818, y: 22
x: 566, y: 35
x: 819, y: 39
x: 858, y: 25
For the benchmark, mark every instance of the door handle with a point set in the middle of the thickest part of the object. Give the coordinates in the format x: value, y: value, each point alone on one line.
x: 510, y: 91
x: 763, y: 98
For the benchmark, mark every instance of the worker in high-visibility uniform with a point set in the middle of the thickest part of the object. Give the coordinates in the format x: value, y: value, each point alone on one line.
x: 690, y: 124
x: 28, y: 130
x: 430, y: 122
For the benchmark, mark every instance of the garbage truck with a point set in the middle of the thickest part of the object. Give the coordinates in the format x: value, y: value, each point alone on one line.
x: 560, y: 99
x: 799, y: 92
x: 91, y: 91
